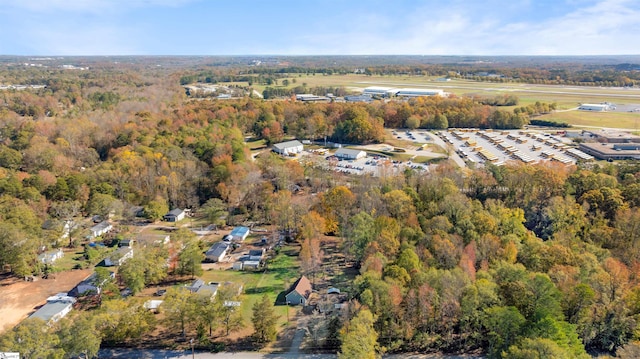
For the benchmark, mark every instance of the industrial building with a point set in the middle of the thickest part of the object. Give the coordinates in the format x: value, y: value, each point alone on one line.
x: 312, y: 98
x: 612, y: 151
x: 409, y: 92
x: 349, y: 154
x: 593, y: 107
x: 611, y: 136
x: 288, y: 148
x: 401, y: 92
x: 379, y: 91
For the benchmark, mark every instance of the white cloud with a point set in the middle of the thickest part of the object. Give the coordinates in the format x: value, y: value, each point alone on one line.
x: 601, y: 27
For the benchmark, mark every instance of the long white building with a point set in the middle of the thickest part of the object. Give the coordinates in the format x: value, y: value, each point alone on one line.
x: 409, y: 92
x: 593, y: 107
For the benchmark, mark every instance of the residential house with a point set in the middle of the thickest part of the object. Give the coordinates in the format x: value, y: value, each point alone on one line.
x: 299, y: 292
x: 89, y: 285
x: 217, y: 252
x: 175, y: 215
x: 240, y: 233
x: 51, y: 256
x: 118, y: 257
x: 288, y: 148
x: 100, y: 229
x: 200, y: 287
x: 55, y: 309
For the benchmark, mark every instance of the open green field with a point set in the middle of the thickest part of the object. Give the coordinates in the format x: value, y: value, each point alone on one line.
x: 622, y: 120
x: 281, y: 272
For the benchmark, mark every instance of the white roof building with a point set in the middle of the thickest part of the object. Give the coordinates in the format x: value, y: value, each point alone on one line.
x: 289, y: 147
x: 409, y: 92
x: 593, y: 107
x: 379, y: 91
x: 350, y: 154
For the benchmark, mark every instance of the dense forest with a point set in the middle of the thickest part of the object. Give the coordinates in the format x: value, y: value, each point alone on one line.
x: 517, y: 261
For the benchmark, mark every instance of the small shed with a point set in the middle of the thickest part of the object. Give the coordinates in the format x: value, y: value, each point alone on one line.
x: 238, y: 265
x: 250, y: 265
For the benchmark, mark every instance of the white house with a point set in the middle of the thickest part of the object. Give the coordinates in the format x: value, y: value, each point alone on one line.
x: 89, y: 285
x: 119, y: 256
x: 349, y: 154
x: 51, y: 256
x: 175, y: 215
x: 288, y: 148
x: 55, y: 309
x: 100, y: 229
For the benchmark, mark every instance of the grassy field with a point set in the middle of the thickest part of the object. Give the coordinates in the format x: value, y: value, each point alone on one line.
x: 281, y: 272
x: 599, y: 119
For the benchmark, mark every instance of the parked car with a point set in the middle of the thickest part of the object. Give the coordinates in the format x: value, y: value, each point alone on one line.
x: 160, y: 292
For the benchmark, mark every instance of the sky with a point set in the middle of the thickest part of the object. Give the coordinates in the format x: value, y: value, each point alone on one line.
x: 319, y: 27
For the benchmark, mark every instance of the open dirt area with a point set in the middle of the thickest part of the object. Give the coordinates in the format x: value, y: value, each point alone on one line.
x: 19, y: 298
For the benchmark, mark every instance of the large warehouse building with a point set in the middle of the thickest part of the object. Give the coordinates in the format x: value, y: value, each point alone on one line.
x: 401, y: 92
x: 593, y: 107
x: 407, y: 92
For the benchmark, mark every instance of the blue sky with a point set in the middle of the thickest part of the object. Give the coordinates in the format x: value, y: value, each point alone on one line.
x: 319, y: 27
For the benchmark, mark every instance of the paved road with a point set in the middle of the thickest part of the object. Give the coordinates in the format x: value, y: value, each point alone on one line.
x: 167, y: 354
x: 452, y: 154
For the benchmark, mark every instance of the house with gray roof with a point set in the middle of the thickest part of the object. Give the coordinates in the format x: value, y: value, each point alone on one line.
x: 100, y: 229
x: 55, y: 309
x: 217, y: 252
x: 175, y: 215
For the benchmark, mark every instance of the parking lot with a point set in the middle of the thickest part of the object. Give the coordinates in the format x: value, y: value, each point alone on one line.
x: 499, y: 147
x: 375, y: 165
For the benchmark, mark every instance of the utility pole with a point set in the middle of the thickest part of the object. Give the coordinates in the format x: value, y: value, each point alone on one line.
x: 193, y: 355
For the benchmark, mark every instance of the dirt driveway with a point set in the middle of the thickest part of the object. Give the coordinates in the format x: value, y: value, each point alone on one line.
x: 19, y: 298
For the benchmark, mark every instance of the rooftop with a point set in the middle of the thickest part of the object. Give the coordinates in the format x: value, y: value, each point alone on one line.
x: 288, y: 144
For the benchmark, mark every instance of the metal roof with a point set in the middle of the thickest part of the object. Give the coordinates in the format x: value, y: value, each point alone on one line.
x: 288, y: 144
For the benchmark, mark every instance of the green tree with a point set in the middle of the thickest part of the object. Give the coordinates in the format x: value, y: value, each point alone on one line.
x: 264, y: 321
x: 80, y: 337
x: 359, y: 338
x: 214, y: 210
x: 190, y: 259
x: 156, y: 209
x: 33, y: 340
x: 180, y: 307
x: 504, y: 326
